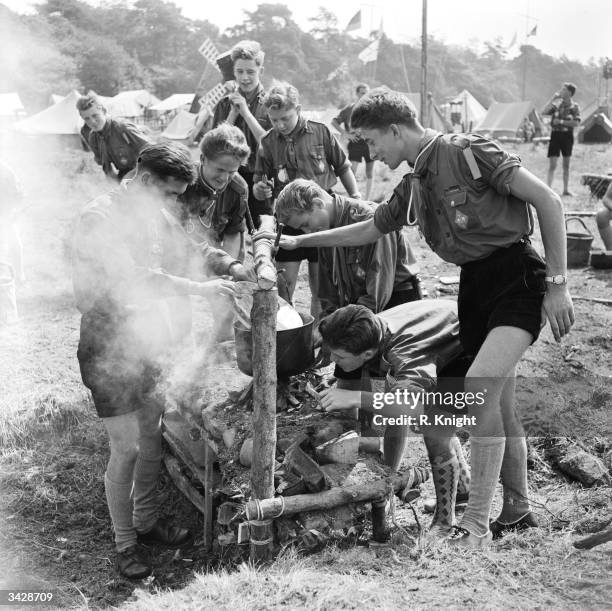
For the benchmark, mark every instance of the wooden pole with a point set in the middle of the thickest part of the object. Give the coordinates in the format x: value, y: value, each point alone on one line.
x: 327, y: 499
x: 424, y: 66
x: 263, y: 318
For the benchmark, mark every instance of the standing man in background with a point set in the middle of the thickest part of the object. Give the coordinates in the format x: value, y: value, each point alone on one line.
x: 243, y: 107
x: 115, y: 143
x: 565, y: 116
x: 357, y: 147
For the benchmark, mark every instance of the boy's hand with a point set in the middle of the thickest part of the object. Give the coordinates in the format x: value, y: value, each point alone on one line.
x: 262, y: 190
x: 218, y: 286
x: 559, y: 310
x: 239, y: 272
x: 238, y: 102
x: 335, y: 399
x: 288, y: 242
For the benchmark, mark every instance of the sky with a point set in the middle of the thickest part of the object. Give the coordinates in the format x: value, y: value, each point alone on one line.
x: 580, y: 30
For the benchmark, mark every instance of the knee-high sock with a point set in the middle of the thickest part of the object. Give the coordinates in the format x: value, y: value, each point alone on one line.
x: 463, y: 484
x: 146, y: 502
x: 445, y: 472
x: 514, y: 480
x: 120, y: 507
x: 487, y: 454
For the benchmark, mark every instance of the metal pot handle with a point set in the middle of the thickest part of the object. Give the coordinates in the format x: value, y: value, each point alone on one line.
x: 577, y: 218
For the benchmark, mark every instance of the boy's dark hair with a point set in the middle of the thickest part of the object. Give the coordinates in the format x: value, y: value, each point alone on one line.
x: 168, y: 160
x: 570, y: 87
x: 296, y: 198
x: 362, y: 86
x: 382, y: 107
x: 248, y: 49
x: 353, y: 328
x: 282, y: 96
x: 225, y: 139
x: 89, y: 100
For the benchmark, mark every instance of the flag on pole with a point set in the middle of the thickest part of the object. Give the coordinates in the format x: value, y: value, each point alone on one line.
x: 377, y: 33
x: 513, y: 41
x: 534, y: 31
x: 370, y: 53
x: 354, y: 23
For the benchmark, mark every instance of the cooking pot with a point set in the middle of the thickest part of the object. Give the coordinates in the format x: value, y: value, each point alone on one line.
x: 294, y: 348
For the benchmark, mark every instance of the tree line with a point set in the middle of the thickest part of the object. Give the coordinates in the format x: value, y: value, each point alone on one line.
x: 150, y: 44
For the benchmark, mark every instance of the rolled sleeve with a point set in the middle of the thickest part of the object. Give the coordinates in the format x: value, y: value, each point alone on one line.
x: 336, y: 156
x: 391, y: 215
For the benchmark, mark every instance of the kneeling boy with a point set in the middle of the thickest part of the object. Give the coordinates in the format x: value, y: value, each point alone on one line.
x: 412, y: 345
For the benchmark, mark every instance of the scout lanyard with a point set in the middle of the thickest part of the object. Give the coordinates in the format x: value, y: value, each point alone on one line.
x: 415, y: 180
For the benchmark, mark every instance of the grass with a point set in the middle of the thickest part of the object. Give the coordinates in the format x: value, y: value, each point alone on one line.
x: 53, y: 453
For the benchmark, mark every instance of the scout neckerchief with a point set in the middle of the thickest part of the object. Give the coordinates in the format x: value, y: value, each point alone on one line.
x: 415, y: 203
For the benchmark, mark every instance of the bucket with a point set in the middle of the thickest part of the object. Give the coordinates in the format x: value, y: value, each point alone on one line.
x: 8, y: 300
x: 294, y: 349
x: 578, y: 245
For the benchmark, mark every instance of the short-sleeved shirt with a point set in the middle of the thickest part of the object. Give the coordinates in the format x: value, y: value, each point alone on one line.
x: 420, y: 339
x: 258, y: 110
x: 210, y: 214
x: 310, y: 151
x: 121, y: 263
x: 462, y: 217
x: 566, y: 111
x: 366, y: 275
x: 344, y: 119
x: 118, y: 143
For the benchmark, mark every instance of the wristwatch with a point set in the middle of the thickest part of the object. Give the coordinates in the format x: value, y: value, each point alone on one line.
x: 558, y: 279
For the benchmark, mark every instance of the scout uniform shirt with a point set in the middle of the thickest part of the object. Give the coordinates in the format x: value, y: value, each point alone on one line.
x: 310, y: 151
x: 258, y: 110
x: 419, y: 339
x: 459, y: 195
x: 118, y: 143
x: 366, y: 275
x: 569, y: 111
x: 128, y: 275
x: 208, y: 215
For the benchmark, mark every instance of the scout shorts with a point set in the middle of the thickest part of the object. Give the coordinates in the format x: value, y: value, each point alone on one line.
x: 561, y: 143
x: 119, y: 382
x: 359, y: 150
x: 504, y: 289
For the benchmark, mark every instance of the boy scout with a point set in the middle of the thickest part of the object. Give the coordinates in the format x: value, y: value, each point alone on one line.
x: 133, y: 312
x: 115, y: 143
x: 298, y: 148
x: 213, y: 208
x: 243, y: 107
x: 415, y: 347
x: 357, y: 148
x: 565, y: 116
x: 471, y: 200
x: 379, y: 275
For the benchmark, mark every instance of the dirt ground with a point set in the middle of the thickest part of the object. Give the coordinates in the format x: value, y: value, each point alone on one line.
x: 53, y: 450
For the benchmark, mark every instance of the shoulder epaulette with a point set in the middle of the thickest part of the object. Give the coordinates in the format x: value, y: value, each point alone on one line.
x: 464, y: 143
x: 238, y: 184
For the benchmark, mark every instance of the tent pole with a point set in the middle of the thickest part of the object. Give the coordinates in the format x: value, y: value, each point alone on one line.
x: 424, y: 65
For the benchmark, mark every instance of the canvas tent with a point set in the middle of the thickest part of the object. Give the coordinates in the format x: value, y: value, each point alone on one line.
x: 596, y: 127
x: 60, y: 119
x: 503, y: 119
x: 466, y: 111
x: 10, y: 105
x: 176, y: 100
x: 180, y: 126
x: 129, y: 104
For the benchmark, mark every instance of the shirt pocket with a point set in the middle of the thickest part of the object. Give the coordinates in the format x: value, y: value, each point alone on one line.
x: 461, y: 212
x: 317, y: 159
